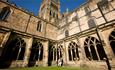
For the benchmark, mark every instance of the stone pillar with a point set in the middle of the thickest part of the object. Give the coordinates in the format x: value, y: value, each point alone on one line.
x: 64, y: 53
x: 5, y: 39
x: 82, y: 51
x: 80, y: 48
x: 27, y: 51
x: 45, y: 53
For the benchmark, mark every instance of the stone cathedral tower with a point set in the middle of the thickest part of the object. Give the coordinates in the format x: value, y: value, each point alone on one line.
x: 50, y: 10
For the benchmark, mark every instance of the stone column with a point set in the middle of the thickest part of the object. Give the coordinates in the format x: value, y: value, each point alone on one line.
x: 80, y: 43
x: 5, y: 39
x: 27, y: 51
x: 64, y: 53
x: 45, y: 53
x: 82, y: 51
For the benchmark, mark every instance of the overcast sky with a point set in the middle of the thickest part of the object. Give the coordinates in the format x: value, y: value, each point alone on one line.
x: 33, y: 5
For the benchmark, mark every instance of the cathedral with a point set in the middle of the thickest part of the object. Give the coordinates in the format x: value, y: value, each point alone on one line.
x: 84, y: 37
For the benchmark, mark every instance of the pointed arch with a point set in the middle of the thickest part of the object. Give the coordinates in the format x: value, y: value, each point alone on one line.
x: 14, y: 50
x: 112, y: 40
x: 36, y: 53
x: 93, y: 49
x: 73, y: 51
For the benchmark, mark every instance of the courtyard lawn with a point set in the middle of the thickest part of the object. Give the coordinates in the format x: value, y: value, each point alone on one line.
x: 47, y: 68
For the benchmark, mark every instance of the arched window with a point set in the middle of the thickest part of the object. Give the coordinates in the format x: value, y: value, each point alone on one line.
x: 91, y: 23
x: 66, y: 33
x: 87, y: 10
x: 4, y: 13
x: 59, y: 52
x: 14, y: 50
x: 36, y: 53
x: 112, y: 40
x: 39, y: 26
x: 93, y: 49
x: 103, y: 5
x: 73, y: 51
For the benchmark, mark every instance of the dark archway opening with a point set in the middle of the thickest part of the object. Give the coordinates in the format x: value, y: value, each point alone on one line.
x: 36, y: 53
x: 50, y: 54
x: 73, y: 52
x: 93, y: 52
x: 101, y: 51
x: 112, y: 41
x: 14, y: 50
x: 69, y: 51
x: 87, y: 53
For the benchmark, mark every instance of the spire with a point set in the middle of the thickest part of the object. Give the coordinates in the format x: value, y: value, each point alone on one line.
x: 67, y: 10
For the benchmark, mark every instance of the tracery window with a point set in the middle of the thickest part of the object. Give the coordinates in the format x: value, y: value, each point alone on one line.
x: 73, y: 51
x: 19, y: 49
x: 36, y: 53
x: 93, y: 49
x: 112, y: 40
x: 59, y: 52
x: 15, y: 49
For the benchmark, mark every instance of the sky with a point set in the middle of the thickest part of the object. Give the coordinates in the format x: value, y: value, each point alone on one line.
x: 34, y: 5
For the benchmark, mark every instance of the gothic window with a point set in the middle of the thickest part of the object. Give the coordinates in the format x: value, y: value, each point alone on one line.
x: 39, y: 26
x: 112, y: 40
x: 59, y: 52
x: 73, y: 51
x: 36, y: 53
x: 87, y: 10
x: 15, y: 49
x: 103, y: 5
x: 54, y: 53
x: 93, y: 49
x: 66, y: 33
x: 91, y: 23
x: 19, y: 49
x: 5, y: 12
x: 75, y: 18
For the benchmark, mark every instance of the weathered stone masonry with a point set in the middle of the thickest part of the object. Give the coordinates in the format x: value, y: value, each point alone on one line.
x: 84, y: 37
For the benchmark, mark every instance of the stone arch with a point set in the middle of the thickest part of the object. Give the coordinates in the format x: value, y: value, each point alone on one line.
x: 112, y: 40
x: 5, y: 13
x: 60, y: 52
x: 51, y: 51
x: 13, y: 50
x: 73, y: 51
x: 36, y: 53
x: 93, y: 49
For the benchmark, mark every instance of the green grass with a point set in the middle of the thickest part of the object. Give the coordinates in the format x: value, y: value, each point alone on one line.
x: 47, y: 68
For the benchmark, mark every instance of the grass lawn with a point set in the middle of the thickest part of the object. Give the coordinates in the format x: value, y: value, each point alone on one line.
x: 47, y: 68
